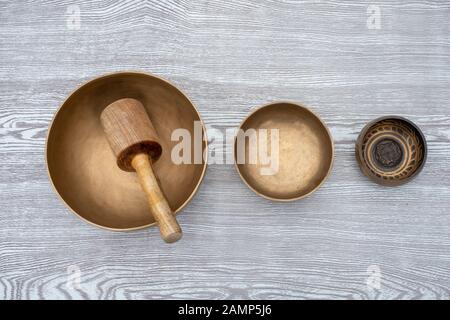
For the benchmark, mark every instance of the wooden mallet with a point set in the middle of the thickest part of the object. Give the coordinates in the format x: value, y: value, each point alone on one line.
x: 134, y: 141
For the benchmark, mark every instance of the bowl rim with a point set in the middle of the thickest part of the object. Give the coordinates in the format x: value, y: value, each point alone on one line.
x: 109, y: 75
x: 295, y: 104
x: 362, y: 134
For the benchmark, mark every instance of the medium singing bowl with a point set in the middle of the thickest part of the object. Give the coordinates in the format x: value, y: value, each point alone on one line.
x: 391, y: 150
x: 83, y: 168
x: 305, y: 152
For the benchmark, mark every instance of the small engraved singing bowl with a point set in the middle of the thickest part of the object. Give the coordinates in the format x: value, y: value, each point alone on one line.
x: 84, y: 170
x: 391, y: 150
x: 305, y: 151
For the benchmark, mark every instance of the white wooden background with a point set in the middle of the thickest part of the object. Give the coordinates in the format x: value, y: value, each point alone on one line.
x: 230, y: 56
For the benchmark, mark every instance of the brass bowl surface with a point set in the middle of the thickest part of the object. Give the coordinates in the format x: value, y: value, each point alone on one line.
x: 306, y: 152
x: 391, y: 150
x: 83, y: 168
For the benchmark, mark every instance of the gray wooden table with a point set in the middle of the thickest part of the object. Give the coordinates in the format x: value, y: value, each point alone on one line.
x: 350, y: 61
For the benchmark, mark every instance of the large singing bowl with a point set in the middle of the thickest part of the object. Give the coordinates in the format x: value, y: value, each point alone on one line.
x: 83, y: 169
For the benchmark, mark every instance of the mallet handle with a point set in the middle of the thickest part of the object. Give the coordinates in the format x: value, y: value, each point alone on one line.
x: 168, y: 225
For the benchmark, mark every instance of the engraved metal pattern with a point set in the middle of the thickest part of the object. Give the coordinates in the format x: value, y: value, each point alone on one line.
x: 391, y: 150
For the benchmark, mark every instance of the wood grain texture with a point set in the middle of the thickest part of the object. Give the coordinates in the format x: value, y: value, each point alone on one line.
x: 135, y: 143
x: 129, y: 131
x: 229, y: 57
x: 158, y: 206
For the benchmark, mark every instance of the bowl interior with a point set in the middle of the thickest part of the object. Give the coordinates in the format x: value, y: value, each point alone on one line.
x: 83, y: 168
x: 305, y: 152
x: 391, y: 150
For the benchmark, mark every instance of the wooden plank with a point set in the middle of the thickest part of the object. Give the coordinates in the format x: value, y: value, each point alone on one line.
x: 229, y: 57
